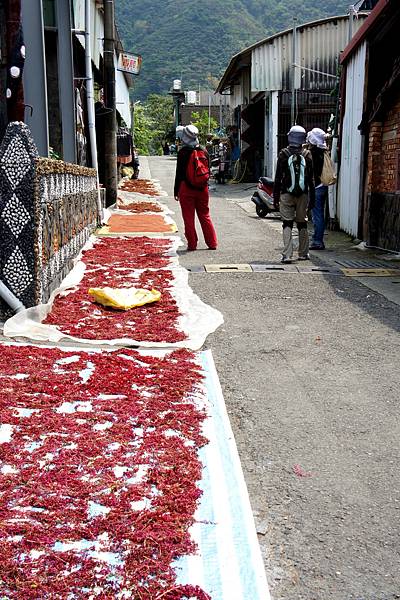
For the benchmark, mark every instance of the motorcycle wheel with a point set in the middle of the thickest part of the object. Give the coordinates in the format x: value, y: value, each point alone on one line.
x: 262, y: 211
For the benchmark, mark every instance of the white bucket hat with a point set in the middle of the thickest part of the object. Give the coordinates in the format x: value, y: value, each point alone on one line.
x: 317, y: 137
x: 189, y: 135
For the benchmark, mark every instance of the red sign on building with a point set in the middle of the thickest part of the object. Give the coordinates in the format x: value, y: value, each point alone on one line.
x: 129, y: 63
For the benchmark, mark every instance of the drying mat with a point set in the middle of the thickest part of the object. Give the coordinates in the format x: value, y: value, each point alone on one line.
x: 138, y: 223
x: 99, y: 472
x: 229, y: 564
x: 132, y: 424
x: 141, y: 186
x: 179, y: 319
x: 128, y: 197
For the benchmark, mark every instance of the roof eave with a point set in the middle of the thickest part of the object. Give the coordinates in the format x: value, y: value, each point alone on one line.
x: 365, y: 28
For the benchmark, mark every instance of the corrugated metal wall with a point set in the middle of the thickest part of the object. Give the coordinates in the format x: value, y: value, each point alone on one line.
x: 350, y: 178
x: 318, y: 47
x: 270, y: 64
x: 241, y: 91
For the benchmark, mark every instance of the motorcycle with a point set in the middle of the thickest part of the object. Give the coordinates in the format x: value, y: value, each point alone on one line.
x: 263, y: 197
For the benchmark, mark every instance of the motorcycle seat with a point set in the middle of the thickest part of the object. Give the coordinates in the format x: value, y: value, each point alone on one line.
x: 266, y: 181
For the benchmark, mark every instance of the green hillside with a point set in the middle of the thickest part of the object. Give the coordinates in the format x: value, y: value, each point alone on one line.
x: 183, y: 39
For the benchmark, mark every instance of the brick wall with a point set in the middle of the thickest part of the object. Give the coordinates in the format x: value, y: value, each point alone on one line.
x: 382, y: 203
x: 384, y: 152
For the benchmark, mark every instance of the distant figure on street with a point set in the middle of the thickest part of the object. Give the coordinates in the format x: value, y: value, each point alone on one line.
x: 209, y: 144
x: 317, y: 145
x: 294, y: 192
x: 191, y: 188
x: 166, y: 149
x: 222, y: 166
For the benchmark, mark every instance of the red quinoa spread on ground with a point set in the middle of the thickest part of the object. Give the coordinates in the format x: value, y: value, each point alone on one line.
x: 138, y: 223
x: 99, y: 472
x: 109, y: 264
x: 142, y: 186
x: 139, y: 207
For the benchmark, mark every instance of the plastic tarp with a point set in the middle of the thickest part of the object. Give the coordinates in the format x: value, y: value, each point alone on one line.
x: 197, y: 319
x: 156, y: 225
x: 229, y: 564
x: 126, y: 198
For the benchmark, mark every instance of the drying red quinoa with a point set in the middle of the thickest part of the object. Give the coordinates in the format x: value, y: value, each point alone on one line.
x: 143, y: 186
x: 78, y: 315
x: 99, y: 472
x: 113, y: 263
x: 140, y: 207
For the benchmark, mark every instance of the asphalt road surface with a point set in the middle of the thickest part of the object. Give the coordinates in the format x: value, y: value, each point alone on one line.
x: 309, y: 366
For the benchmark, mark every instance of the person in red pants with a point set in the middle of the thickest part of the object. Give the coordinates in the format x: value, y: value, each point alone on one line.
x: 192, y: 200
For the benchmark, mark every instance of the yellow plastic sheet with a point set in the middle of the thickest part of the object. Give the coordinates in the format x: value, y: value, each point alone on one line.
x: 124, y: 298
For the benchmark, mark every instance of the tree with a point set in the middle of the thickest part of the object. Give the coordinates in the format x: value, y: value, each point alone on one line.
x: 141, y: 130
x: 153, y: 122
x: 159, y: 112
x: 204, y: 124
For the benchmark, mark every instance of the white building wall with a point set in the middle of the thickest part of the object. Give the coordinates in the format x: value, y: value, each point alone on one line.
x: 350, y: 176
x: 96, y: 25
x: 97, y: 37
x: 122, y: 99
x: 271, y: 134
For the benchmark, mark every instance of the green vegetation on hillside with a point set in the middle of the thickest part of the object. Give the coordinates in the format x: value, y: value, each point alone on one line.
x: 181, y: 39
x: 153, y: 124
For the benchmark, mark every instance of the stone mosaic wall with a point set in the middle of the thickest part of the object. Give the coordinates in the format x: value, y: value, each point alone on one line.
x: 66, y: 213
x: 48, y: 209
x: 18, y: 155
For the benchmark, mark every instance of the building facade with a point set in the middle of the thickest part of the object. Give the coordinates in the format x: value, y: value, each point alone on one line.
x: 369, y: 178
x: 53, y: 82
x: 288, y: 78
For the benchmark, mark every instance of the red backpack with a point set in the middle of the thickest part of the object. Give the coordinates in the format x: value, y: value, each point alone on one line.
x: 198, y: 170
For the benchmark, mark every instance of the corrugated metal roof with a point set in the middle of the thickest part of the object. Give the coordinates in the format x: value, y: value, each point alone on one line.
x: 318, y: 46
x: 271, y: 58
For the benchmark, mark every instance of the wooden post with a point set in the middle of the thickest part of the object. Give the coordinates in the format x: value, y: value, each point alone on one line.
x: 110, y: 118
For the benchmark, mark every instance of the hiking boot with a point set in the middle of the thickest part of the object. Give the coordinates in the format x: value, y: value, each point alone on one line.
x: 305, y: 257
x: 286, y: 260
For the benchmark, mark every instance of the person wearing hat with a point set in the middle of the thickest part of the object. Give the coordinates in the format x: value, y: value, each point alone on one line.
x: 317, y: 145
x: 192, y: 200
x: 294, y: 192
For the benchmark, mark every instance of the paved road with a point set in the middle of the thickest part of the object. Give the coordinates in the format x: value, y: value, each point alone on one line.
x: 310, y: 374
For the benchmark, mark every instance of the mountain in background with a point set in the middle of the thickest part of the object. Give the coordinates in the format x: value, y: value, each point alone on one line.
x: 189, y: 40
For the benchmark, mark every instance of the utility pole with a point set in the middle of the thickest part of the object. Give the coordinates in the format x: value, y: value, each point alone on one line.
x: 293, y: 116
x: 110, y: 117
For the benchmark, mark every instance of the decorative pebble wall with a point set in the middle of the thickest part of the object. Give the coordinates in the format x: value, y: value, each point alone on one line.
x: 18, y: 155
x: 66, y: 202
x: 48, y: 209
